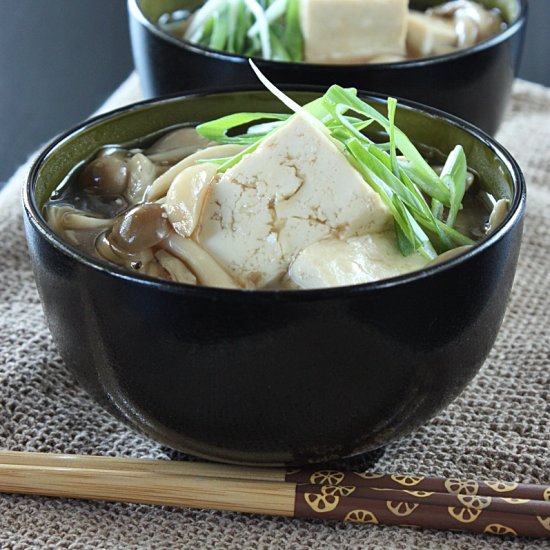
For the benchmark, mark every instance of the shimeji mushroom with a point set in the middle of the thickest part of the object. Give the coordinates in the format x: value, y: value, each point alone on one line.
x: 500, y: 209
x: 142, y: 173
x: 73, y: 224
x: 142, y: 227
x: 473, y: 22
x: 204, y: 266
x: 84, y: 222
x: 185, y: 198
x: 177, y: 270
x: 450, y: 26
x: 175, y: 146
x: 106, y: 176
x: 160, y: 186
x: 143, y: 261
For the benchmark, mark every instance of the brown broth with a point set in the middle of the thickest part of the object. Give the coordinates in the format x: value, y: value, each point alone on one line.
x: 94, y: 209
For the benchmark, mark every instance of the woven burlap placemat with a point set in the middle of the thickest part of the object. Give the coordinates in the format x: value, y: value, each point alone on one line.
x: 499, y: 428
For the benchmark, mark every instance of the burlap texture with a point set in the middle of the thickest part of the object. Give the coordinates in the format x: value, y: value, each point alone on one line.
x: 498, y: 428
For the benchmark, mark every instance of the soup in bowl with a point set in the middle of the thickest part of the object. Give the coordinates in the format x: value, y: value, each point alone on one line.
x: 269, y: 374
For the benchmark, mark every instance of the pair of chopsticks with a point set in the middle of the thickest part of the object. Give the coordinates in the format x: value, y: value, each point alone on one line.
x: 492, y: 507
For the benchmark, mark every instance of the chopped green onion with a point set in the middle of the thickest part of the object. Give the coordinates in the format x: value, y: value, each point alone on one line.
x: 219, y: 32
x: 426, y: 177
x: 244, y: 20
x: 200, y: 17
x: 392, y: 107
x: 272, y: 13
x: 394, y: 194
x: 279, y: 52
x: 232, y: 25
x: 217, y: 130
x: 261, y: 20
x: 293, y: 36
x: 255, y: 28
x: 454, y: 175
x: 437, y: 209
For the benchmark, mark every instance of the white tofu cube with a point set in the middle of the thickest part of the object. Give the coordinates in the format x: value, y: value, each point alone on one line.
x: 353, y: 31
x: 294, y: 190
x: 334, y: 262
x: 430, y: 35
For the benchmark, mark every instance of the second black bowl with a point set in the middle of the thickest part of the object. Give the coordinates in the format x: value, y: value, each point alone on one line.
x: 473, y: 83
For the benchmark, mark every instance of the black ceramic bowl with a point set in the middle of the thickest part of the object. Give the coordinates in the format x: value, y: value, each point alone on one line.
x: 273, y: 376
x: 473, y: 84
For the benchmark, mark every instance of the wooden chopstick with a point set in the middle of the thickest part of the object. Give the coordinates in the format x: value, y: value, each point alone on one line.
x: 149, y: 488
x: 325, y: 494
x: 176, y: 467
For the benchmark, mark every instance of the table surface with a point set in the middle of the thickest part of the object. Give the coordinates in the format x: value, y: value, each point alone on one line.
x: 60, y: 59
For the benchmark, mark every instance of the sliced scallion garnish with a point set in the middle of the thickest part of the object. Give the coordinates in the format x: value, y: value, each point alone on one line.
x: 217, y: 130
x: 256, y: 28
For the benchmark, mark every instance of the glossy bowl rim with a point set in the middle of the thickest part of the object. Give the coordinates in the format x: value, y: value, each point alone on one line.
x: 513, y: 217
x: 136, y: 12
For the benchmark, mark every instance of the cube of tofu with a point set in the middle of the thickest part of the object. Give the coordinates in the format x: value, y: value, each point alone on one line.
x: 430, y: 35
x: 295, y: 189
x: 353, y: 31
x: 334, y: 262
